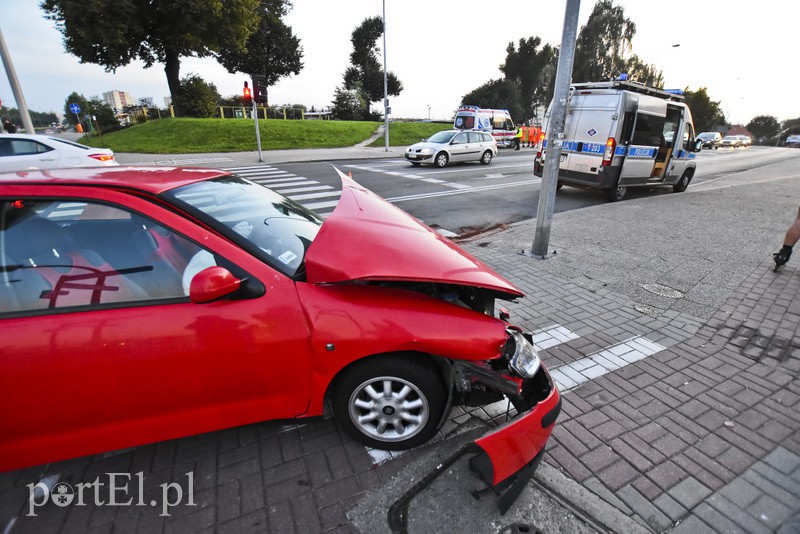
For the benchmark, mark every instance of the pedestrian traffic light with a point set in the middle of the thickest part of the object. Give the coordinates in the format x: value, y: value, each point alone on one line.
x: 248, y: 98
x: 261, y: 93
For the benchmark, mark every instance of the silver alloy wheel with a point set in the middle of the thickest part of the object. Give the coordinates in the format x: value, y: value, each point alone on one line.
x: 388, y: 408
x: 441, y: 159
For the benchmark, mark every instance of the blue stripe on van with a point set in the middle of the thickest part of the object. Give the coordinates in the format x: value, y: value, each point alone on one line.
x: 642, y: 152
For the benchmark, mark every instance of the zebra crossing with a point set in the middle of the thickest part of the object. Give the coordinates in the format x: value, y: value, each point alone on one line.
x: 309, y: 193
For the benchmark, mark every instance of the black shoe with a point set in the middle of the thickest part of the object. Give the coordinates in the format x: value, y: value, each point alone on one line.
x: 782, y: 256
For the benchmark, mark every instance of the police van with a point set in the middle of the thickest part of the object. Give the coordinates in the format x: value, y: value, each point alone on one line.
x: 497, y: 122
x: 622, y: 134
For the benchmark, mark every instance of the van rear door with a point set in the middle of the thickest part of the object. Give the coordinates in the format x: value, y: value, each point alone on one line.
x: 590, y: 122
x: 646, y: 140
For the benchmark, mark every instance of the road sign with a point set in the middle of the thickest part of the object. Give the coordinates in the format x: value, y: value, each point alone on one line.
x: 75, y: 108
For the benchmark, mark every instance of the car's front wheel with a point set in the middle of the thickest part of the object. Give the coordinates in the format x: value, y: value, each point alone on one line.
x: 441, y: 159
x: 390, y: 402
x: 487, y: 157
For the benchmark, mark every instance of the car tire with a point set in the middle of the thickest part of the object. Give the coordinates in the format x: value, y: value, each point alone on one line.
x: 441, y: 159
x: 683, y: 183
x: 390, y: 402
x: 487, y: 157
x: 616, y: 194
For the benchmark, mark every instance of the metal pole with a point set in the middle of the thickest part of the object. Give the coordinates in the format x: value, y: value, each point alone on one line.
x: 555, y: 133
x: 15, y: 88
x: 258, y: 132
x: 385, y: 88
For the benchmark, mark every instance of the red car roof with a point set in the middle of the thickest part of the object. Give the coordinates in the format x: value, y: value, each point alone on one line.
x: 153, y: 179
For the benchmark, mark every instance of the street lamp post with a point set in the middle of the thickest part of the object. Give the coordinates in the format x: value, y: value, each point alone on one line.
x: 385, y: 88
x: 429, y: 112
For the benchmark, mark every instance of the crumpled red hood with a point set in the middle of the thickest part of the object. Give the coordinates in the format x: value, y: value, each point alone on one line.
x: 367, y: 238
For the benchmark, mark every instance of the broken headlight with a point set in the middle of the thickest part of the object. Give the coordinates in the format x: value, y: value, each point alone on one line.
x: 522, y: 356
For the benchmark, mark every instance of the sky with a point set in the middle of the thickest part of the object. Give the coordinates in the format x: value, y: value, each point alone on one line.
x: 743, y: 52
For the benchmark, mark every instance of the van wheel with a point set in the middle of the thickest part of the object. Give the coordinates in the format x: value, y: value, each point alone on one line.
x: 441, y: 159
x: 683, y: 183
x: 616, y: 194
x: 487, y: 157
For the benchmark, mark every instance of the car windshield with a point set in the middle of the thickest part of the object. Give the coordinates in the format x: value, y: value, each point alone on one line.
x: 269, y: 225
x: 441, y: 137
x: 705, y: 136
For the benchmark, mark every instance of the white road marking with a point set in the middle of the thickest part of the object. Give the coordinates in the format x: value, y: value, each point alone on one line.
x: 572, y: 375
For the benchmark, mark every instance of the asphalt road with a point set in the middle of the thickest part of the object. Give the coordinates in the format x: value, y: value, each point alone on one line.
x: 472, y: 197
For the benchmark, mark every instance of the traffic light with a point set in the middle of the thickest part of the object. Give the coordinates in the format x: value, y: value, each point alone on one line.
x: 248, y: 98
x: 261, y: 93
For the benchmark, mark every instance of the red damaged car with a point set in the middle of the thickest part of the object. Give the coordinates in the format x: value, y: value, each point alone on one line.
x: 145, y: 304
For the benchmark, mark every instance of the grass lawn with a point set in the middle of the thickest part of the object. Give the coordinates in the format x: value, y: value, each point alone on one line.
x: 194, y: 136
x: 408, y: 133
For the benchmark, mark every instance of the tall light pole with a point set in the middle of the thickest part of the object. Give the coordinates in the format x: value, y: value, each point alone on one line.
x: 15, y: 88
x: 555, y: 130
x: 429, y: 112
x: 385, y: 88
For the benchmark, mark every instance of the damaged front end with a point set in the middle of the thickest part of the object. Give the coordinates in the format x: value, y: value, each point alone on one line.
x: 506, y: 458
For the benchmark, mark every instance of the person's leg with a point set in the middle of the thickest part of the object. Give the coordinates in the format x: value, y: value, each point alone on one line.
x: 789, y: 241
x: 793, y: 233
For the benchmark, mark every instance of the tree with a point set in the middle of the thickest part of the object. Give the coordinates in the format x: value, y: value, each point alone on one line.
x: 102, y: 113
x: 602, y: 44
x: 533, y: 70
x: 112, y: 34
x: 706, y: 113
x: 272, y: 50
x: 198, y: 98
x: 365, y: 73
x: 348, y: 104
x: 603, y: 48
x: 763, y: 127
x: 496, y: 94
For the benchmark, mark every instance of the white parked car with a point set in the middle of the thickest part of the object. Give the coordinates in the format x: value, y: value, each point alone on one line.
x: 453, y: 146
x: 745, y: 140
x: 23, y: 152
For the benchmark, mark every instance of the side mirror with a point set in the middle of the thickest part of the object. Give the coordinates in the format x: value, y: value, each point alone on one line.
x: 212, y: 283
x: 698, y: 145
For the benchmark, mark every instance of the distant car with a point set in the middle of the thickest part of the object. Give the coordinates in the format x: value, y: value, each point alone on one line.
x: 732, y: 141
x: 451, y: 146
x: 745, y: 140
x: 24, y: 152
x: 710, y: 139
x: 161, y: 302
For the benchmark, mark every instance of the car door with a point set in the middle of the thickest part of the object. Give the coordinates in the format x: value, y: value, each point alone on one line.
x: 103, y: 348
x: 459, y: 147
x: 21, y: 154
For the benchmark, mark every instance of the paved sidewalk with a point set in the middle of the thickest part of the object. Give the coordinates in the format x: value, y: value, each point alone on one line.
x: 678, y: 352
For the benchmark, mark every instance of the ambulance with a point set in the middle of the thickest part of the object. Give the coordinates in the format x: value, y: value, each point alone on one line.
x: 495, y: 121
x: 622, y: 134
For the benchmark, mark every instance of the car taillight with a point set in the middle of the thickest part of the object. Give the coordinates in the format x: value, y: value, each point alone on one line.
x: 608, y: 155
x: 102, y: 157
x: 540, y: 145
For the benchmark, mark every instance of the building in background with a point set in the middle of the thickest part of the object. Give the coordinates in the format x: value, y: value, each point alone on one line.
x: 118, y: 100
